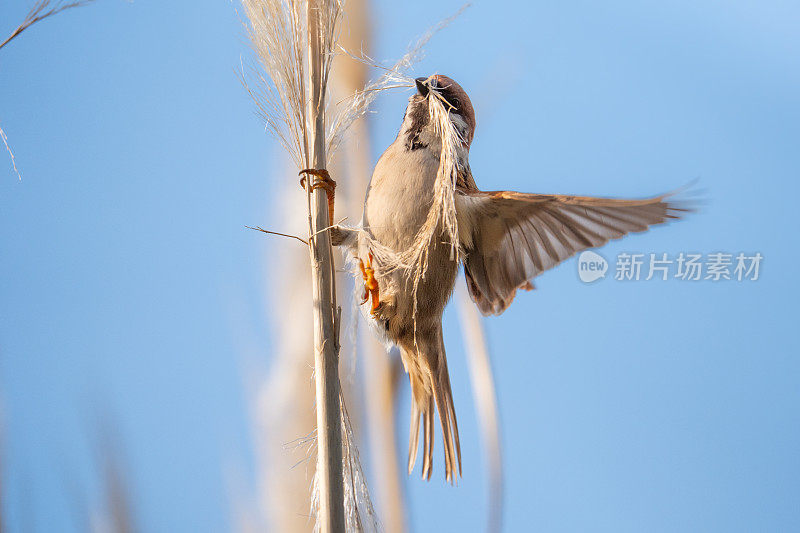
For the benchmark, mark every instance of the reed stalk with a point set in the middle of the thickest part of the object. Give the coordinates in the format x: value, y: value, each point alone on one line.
x: 331, y: 516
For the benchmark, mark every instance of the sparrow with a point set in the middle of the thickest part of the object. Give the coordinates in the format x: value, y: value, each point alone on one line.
x: 506, y: 239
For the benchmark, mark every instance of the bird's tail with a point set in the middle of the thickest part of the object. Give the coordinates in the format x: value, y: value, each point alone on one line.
x: 430, y: 385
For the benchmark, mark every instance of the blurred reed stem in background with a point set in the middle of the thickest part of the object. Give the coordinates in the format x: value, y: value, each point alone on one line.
x: 484, y: 394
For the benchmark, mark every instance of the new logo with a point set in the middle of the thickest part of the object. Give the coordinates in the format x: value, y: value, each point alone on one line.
x: 591, y: 266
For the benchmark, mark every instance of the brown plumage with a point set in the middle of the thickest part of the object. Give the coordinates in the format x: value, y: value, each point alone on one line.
x: 506, y: 239
x: 517, y: 236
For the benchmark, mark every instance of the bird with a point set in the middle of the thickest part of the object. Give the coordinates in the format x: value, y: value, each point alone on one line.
x: 505, y: 239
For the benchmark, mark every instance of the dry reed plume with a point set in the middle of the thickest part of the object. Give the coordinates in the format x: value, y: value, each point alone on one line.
x: 40, y: 11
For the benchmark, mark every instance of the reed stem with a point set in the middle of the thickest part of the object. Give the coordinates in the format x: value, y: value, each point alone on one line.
x: 326, y: 343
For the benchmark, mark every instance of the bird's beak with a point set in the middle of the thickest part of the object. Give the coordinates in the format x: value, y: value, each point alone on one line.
x: 422, y: 86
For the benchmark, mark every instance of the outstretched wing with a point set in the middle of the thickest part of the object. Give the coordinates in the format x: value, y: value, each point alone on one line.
x: 512, y: 237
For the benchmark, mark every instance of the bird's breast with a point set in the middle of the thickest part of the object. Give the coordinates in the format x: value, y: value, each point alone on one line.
x: 400, y: 195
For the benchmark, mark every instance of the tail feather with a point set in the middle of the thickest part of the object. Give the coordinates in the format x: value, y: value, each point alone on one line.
x: 444, y: 401
x: 452, y: 410
x: 427, y: 463
x: 449, y: 407
x: 413, y: 437
x: 430, y: 386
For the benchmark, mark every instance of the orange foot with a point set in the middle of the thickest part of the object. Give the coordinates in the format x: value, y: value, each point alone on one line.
x: 370, y: 283
x: 322, y: 180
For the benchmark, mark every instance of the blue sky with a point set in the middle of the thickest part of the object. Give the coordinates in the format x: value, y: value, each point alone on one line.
x: 124, y: 262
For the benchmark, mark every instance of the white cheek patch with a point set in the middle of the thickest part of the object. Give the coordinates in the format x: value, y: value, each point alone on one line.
x: 461, y: 126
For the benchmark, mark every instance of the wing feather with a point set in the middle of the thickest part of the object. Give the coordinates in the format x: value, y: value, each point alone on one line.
x: 517, y: 236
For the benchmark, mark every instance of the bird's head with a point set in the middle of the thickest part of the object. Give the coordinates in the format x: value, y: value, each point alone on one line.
x: 416, y: 123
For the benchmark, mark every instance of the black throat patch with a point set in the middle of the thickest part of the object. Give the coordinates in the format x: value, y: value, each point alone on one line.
x: 419, y: 119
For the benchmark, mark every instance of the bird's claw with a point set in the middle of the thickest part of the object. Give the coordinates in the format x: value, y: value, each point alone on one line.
x: 370, y: 284
x: 322, y: 180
